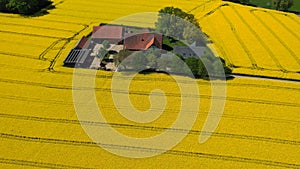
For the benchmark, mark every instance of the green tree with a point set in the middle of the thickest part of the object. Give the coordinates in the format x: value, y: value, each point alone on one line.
x: 193, y: 64
x: 193, y: 34
x: 120, y: 57
x: 218, y: 69
x: 102, y: 53
x: 172, y: 21
x: 282, y: 4
x: 138, y: 61
x: 152, y: 56
x: 215, y: 65
x: 152, y: 60
x: 123, y: 54
x: 177, y: 65
x: 202, y: 72
x: 106, y: 44
x: 23, y: 6
x: 244, y: 1
x: 44, y: 3
x: 116, y: 60
x: 3, y: 4
x: 163, y: 62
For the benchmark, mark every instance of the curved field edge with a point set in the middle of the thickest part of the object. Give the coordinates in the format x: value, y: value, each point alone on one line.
x: 279, y: 47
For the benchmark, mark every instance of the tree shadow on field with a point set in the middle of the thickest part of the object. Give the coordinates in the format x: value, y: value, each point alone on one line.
x: 153, y: 71
x: 43, y: 11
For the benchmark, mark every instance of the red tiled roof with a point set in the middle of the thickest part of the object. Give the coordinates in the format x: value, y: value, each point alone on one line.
x: 107, y: 32
x: 83, y: 43
x: 143, y: 41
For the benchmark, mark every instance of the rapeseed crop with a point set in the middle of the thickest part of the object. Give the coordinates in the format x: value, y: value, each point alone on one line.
x: 259, y: 127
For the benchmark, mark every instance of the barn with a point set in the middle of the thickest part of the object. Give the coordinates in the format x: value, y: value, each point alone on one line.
x: 143, y: 41
x: 111, y: 33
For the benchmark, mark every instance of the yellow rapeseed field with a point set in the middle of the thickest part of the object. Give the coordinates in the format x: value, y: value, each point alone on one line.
x: 259, y: 127
x: 255, y: 41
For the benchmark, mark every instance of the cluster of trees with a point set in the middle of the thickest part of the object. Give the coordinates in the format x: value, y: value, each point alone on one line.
x: 175, y: 23
x: 24, y: 7
x: 103, y: 51
x: 183, y: 27
x: 282, y: 5
x: 154, y: 60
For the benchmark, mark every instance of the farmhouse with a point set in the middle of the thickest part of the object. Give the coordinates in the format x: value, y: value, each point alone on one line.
x: 143, y: 41
x: 89, y: 52
x: 130, y: 38
x: 111, y: 33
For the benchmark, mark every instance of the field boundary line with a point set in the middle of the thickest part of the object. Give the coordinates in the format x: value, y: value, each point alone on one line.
x: 38, y: 164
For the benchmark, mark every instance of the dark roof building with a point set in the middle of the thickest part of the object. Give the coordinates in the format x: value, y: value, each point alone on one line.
x: 113, y: 34
x: 189, y: 51
x: 143, y: 41
x: 79, y: 58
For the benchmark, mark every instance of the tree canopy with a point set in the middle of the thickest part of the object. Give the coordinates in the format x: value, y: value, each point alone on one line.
x: 175, y: 23
x: 102, y: 52
x: 282, y: 4
x: 106, y: 44
x: 154, y: 60
x: 24, y: 7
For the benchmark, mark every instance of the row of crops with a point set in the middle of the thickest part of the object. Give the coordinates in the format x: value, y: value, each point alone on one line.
x: 255, y: 39
x: 39, y: 116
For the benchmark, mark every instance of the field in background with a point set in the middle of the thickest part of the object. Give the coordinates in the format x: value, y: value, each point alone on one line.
x: 255, y: 41
x: 39, y: 127
x: 268, y: 4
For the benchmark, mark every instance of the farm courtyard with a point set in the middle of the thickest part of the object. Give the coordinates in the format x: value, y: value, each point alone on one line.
x: 259, y: 127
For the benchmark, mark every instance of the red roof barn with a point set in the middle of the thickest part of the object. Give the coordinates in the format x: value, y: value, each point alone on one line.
x: 113, y: 34
x: 143, y: 41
